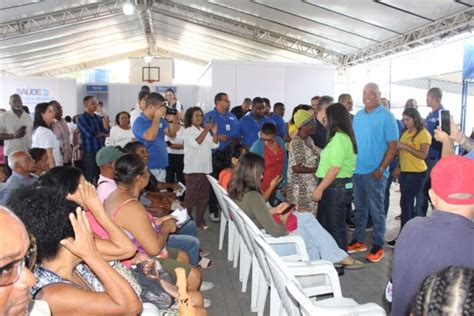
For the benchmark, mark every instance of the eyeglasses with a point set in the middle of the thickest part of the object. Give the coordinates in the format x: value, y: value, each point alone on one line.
x: 269, y: 141
x: 11, y: 272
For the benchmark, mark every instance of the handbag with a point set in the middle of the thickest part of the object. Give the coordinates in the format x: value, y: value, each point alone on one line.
x: 148, y: 274
x: 127, y: 275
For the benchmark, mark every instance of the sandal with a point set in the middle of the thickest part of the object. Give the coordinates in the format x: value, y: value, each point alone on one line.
x: 353, y: 264
x: 204, y: 227
x: 205, y: 263
x: 204, y: 252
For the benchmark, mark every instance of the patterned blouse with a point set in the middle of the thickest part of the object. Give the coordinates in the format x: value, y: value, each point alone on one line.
x: 301, y: 185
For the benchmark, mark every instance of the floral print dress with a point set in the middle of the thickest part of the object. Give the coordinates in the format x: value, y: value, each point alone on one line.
x: 301, y: 185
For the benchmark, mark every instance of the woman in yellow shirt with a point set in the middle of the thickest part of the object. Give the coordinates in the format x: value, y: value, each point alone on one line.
x: 412, y: 150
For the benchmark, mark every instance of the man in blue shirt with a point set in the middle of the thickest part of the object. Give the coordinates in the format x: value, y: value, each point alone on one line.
x: 249, y: 125
x: 277, y: 115
x: 150, y: 129
x: 94, y: 130
x: 433, y: 100
x: 22, y: 165
x: 376, y: 134
x: 227, y: 127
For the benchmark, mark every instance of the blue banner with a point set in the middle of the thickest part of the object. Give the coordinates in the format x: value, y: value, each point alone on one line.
x: 468, y: 66
x: 162, y: 89
x: 97, y: 88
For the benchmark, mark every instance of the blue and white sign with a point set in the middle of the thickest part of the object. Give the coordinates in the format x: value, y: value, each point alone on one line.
x: 162, y: 89
x: 96, y: 88
x: 468, y: 66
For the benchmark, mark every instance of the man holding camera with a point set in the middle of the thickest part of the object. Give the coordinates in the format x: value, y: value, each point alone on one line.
x: 16, y: 127
x: 150, y: 129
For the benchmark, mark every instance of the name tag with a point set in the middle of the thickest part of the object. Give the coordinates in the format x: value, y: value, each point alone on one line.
x: 227, y: 127
x: 258, y: 133
x: 349, y: 186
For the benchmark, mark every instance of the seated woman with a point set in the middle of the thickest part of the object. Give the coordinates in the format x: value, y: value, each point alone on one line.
x: 40, y: 157
x: 231, y: 158
x: 147, y: 233
x: 244, y: 188
x: 71, y: 272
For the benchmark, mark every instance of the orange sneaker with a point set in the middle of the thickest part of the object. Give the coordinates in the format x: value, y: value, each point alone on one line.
x: 356, y: 246
x: 376, y: 253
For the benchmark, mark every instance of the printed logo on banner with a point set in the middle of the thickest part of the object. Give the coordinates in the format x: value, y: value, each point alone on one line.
x: 33, y: 96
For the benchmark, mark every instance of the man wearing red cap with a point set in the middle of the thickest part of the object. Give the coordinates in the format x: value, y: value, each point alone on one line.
x: 446, y: 238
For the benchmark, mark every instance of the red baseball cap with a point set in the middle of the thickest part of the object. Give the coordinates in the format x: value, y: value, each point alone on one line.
x: 452, y: 179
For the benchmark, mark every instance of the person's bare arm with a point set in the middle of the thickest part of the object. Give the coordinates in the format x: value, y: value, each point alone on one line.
x: 273, y: 185
x: 118, y: 299
x: 201, y: 137
x: 173, y: 127
x: 421, y: 154
x: 387, y: 159
x: 49, y: 153
x: 118, y: 246
x: 152, y: 131
x: 444, y: 138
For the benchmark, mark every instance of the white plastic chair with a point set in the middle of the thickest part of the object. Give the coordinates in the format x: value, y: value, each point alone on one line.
x: 298, y: 302
x: 225, y: 219
x: 261, y: 280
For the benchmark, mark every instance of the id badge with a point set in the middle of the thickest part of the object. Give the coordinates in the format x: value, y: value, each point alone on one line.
x: 349, y: 186
x: 227, y: 127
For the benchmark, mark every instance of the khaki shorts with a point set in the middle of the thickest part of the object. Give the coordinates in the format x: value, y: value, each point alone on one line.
x: 170, y: 263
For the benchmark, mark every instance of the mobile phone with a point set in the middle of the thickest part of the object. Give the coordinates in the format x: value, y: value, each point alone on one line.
x: 445, y: 121
x: 288, y: 209
x: 210, y: 119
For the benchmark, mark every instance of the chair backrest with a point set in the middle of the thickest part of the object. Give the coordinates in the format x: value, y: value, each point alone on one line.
x: 253, y: 232
x: 218, y: 189
x: 234, y: 209
x: 297, y: 293
x: 280, y: 276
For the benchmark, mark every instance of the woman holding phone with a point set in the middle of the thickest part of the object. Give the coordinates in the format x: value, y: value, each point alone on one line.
x: 244, y: 188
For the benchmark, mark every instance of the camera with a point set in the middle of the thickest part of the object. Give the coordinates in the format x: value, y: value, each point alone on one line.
x: 171, y: 111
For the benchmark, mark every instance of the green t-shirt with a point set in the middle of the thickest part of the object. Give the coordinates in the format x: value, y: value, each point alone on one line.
x: 339, y: 153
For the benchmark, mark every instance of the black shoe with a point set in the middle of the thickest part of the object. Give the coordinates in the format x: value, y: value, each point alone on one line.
x: 350, y: 224
x: 392, y: 243
x: 339, y: 268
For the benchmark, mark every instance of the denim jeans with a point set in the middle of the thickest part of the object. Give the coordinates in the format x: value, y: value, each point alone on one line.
x: 332, y: 210
x: 190, y: 229
x: 369, y: 197
x: 186, y: 243
x: 319, y: 243
x: 411, y: 184
x: 422, y: 199
x: 393, y: 166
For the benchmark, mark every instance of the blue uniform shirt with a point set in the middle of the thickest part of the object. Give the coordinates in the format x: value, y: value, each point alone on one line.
x: 227, y: 124
x: 157, y: 152
x: 249, y: 128
x: 280, y: 123
x: 431, y: 123
x: 373, y: 131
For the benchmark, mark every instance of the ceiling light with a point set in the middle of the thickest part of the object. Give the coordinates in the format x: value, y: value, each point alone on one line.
x: 128, y: 8
x: 148, y: 58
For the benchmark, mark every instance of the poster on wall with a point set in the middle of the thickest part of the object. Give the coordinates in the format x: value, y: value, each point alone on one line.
x: 468, y: 65
x: 162, y: 89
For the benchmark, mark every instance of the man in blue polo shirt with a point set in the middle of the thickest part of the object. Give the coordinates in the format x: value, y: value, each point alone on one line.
x: 277, y: 115
x: 227, y: 125
x: 433, y: 100
x: 376, y: 134
x: 249, y: 125
x: 150, y: 129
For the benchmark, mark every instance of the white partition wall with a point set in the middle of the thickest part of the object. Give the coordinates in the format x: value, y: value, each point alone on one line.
x: 34, y: 90
x: 291, y: 84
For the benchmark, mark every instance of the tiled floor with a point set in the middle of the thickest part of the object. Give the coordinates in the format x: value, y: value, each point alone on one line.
x: 366, y: 285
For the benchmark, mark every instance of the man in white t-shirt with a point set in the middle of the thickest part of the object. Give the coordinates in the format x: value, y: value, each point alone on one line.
x: 142, y: 95
x: 16, y: 127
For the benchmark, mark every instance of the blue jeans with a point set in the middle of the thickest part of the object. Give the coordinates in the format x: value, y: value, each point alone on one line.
x: 190, y: 228
x: 186, y: 243
x: 422, y: 199
x: 369, y: 196
x: 411, y: 184
x: 319, y: 243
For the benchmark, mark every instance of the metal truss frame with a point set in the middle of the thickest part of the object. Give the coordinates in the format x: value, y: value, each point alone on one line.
x: 441, y: 29
x: 93, y: 11
x: 146, y: 20
x: 237, y: 28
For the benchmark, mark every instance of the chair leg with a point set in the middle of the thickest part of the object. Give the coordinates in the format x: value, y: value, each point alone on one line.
x: 262, y: 296
x: 237, y: 242
x: 275, y: 303
x: 256, y: 275
x: 246, y: 264
x: 222, y: 231
x: 230, y: 241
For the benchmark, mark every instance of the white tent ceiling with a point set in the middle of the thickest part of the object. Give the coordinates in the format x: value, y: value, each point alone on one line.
x: 48, y: 37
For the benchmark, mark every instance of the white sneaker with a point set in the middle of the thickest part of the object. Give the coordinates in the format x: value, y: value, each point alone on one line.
x: 206, y: 286
x: 207, y: 303
x: 214, y: 218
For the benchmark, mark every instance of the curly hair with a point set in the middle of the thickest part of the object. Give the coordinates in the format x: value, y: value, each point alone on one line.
x: 128, y: 168
x: 188, y: 116
x: 62, y: 179
x: 44, y: 211
x: 448, y: 292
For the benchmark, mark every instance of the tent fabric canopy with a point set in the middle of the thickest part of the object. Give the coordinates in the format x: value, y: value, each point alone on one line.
x: 41, y: 37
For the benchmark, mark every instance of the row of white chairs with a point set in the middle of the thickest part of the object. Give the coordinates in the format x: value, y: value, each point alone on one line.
x: 294, y: 281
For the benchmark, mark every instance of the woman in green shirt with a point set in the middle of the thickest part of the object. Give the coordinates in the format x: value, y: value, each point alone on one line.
x: 336, y: 166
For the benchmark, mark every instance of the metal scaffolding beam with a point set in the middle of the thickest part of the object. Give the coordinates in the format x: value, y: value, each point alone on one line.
x: 103, y: 61
x: 438, y: 30
x: 146, y: 21
x: 244, y: 30
x: 104, y: 9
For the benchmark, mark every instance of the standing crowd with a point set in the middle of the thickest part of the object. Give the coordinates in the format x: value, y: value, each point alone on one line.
x: 87, y: 221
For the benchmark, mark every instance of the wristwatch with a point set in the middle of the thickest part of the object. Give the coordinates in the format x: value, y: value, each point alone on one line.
x: 380, y: 169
